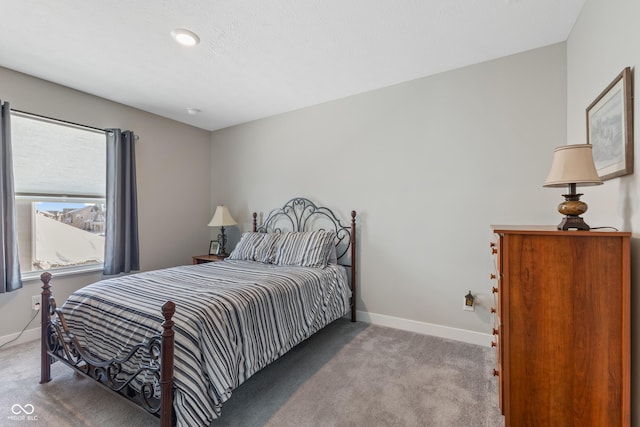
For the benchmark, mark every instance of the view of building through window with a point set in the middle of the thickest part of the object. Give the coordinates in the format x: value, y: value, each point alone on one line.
x: 68, y: 234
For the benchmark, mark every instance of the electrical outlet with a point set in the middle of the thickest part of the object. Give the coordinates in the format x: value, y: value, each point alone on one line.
x: 35, y: 302
x: 468, y: 303
x: 466, y: 307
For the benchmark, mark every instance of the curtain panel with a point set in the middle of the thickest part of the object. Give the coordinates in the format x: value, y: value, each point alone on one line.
x: 9, y: 255
x: 121, y: 237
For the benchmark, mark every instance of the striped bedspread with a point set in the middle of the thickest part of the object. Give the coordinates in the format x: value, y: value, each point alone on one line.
x: 232, y: 319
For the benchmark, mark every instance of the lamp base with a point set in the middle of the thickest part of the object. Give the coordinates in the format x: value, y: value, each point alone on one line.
x: 571, y: 222
x: 222, y: 240
x: 572, y: 207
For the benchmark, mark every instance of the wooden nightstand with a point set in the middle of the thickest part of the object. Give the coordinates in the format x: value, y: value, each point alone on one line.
x: 201, y: 259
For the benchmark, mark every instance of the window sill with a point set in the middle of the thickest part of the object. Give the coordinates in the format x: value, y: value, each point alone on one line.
x: 30, y: 276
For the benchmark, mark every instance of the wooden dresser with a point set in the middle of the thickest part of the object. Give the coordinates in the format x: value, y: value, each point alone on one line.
x: 562, y: 326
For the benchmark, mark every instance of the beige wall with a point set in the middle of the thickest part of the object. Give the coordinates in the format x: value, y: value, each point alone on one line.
x: 429, y: 165
x: 604, y: 40
x: 173, y: 177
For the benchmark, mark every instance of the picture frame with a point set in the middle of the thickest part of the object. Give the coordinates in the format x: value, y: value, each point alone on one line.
x: 214, y: 247
x: 610, y: 128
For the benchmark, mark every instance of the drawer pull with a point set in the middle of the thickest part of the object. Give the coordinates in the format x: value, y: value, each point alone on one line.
x: 494, y: 344
x: 492, y: 245
x: 492, y: 276
x: 493, y: 310
x: 494, y: 290
x: 496, y: 373
x: 494, y: 331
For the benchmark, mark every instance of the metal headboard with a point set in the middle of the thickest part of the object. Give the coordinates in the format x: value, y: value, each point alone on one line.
x: 301, y: 214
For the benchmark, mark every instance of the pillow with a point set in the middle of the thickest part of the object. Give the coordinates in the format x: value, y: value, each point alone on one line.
x: 266, y: 249
x: 246, y: 247
x: 305, y: 249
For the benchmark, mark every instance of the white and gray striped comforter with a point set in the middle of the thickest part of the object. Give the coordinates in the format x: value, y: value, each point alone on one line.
x: 232, y: 319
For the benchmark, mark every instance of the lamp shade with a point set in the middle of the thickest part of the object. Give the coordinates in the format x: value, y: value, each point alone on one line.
x: 222, y: 217
x: 573, y: 164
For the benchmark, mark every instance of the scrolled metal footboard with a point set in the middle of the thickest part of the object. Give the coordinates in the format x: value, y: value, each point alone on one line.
x: 140, y: 385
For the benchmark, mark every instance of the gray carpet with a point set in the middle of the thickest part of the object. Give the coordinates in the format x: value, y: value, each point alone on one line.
x: 348, y: 374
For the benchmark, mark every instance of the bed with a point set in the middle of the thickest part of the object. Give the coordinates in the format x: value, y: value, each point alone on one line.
x: 178, y: 341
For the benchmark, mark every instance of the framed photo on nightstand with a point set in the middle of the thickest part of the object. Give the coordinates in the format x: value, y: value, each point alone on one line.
x: 214, y: 247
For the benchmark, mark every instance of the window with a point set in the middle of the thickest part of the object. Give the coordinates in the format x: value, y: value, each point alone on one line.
x: 60, y: 184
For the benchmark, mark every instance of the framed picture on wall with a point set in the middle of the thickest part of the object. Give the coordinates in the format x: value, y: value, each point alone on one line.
x: 214, y: 247
x: 610, y: 128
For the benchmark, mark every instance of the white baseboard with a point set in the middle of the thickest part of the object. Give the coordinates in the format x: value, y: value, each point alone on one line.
x: 27, y: 335
x: 456, y: 334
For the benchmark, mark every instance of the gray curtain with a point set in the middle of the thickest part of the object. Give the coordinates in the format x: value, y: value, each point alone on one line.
x: 9, y: 256
x: 121, y: 238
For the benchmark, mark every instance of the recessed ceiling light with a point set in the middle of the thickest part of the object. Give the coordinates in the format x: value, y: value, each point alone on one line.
x: 185, y: 37
x: 193, y: 111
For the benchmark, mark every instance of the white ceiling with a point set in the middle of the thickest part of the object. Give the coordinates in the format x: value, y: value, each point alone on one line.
x: 258, y: 58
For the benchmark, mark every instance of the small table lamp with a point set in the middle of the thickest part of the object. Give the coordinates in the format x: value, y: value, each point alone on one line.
x: 573, y: 166
x: 222, y: 218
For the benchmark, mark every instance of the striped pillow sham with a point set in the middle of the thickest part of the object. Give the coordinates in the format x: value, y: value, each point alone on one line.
x: 305, y: 249
x: 246, y: 247
x: 266, y: 250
